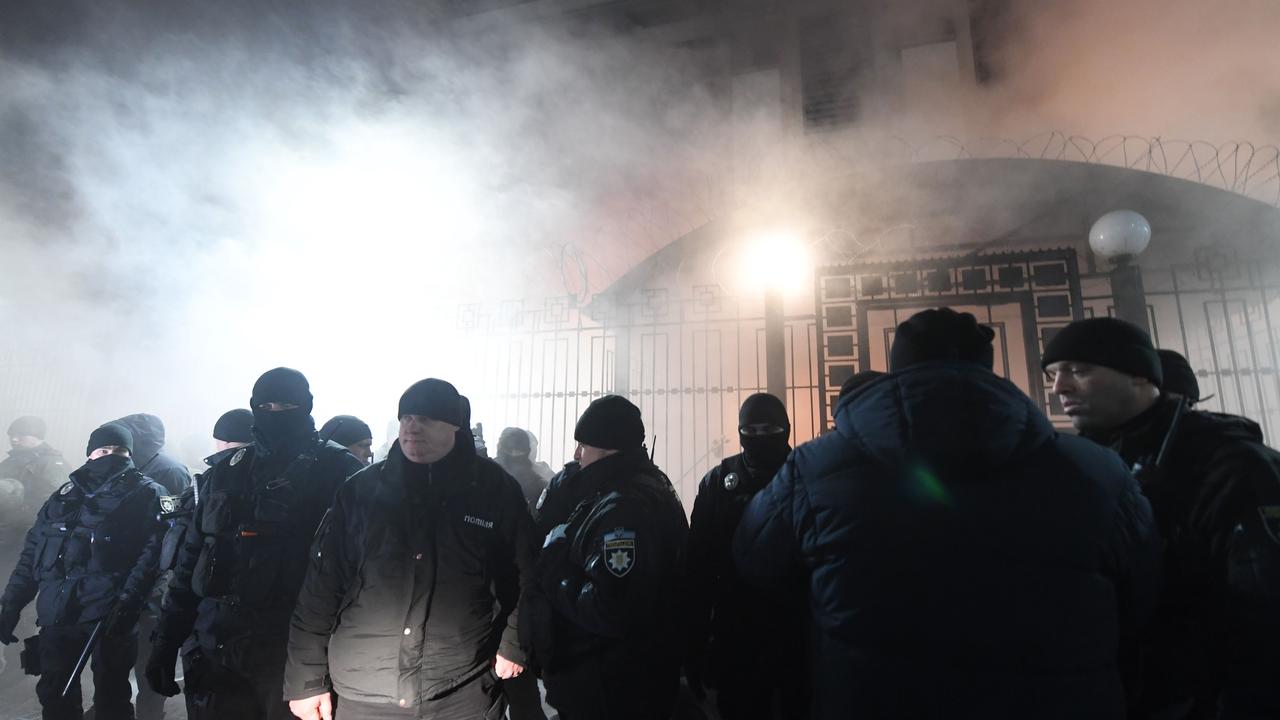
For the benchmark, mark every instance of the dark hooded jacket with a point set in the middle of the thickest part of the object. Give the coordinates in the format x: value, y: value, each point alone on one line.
x: 40, y: 470
x: 961, y: 558
x: 148, y: 446
x: 413, y: 581
x: 94, y: 544
x: 1215, y: 635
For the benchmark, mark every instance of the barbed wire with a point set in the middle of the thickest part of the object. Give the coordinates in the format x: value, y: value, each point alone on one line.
x: 1239, y: 167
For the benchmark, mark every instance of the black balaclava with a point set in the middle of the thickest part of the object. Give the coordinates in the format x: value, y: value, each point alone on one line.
x: 514, y: 443
x: 279, y: 430
x: 766, y: 452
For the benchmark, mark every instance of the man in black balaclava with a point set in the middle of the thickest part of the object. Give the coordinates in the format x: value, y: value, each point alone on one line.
x: 91, y: 558
x: 604, y: 616
x: 240, y: 566
x: 351, y: 433
x: 742, y: 642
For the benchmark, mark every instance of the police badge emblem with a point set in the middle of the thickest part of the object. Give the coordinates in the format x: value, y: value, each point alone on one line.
x: 237, y: 457
x: 168, y: 504
x: 731, y: 481
x: 66, y: 488
x: 620, y: 551
x: 1271, y: 520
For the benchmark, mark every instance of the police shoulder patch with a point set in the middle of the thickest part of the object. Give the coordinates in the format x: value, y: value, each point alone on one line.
x: 237, y: 457
x: 65, y: 488
x: 169, y: 503
x: 1271, y: 520
x: 620, y: 551
x: 731, y: 481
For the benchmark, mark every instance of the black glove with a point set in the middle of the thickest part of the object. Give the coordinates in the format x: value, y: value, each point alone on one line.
x: 8, y: 621
x: 161, y: 668
x: 123, y: 618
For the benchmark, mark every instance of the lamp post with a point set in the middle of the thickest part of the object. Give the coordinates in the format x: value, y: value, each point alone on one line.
x: 1119, y: 237
x: 779, y: 262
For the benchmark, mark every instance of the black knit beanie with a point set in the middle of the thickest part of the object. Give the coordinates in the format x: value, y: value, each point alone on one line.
x: 234, y: 426
x: 1178, y: 376
x: 282, y: 385
x: 762, y: 408
x: 435, y: 399
x: 347, y: 430
x: 110, y: 435
x: 1108, y: 342
x: 28, y: 425
x: 941, y: 334
x: 611, y: 422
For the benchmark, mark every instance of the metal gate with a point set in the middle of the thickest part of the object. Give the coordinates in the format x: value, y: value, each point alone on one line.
x: 687, y: 357
x: 1024, y: 297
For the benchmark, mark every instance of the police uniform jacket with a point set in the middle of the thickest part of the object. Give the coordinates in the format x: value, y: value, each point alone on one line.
x: 413, y: 581
x: 610, y: 578
x: 90, y: 548
x: 242, y: 559
x: 1215, y: 492
x: 737, y: 632
x: 961, y: 558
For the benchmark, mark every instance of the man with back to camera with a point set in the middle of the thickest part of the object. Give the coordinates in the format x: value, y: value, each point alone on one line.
x: 408, y: 609
x: 243, y: 559
x: 605, y: 612
x: 961, y: 558
x: 351, y: 433
x: 91, y: 557
x: 738, y: 633
x: 1213, y: 646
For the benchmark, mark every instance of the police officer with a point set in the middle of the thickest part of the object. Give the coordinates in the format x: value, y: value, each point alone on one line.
x: 408, y: 606
x: 351, y: 433
x: 606, y: 629
x: 243, y: 560
x: 738, y: 633
x: 1214, y: 487
x: 91, y: 556
x: 36, y: 466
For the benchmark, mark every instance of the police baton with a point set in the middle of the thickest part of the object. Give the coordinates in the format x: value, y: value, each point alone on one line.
x: 84, y: 658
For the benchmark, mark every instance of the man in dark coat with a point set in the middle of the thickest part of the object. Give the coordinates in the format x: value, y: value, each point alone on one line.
x: 31, y: 471
x: 605, y: 611
x: 1213, y: 647
x: 173, y: 476
x: 737, y: 632
x: 961, y: 559
x: 408, y: 605
x: 91, y: 557
x: 37, y: 467
x: 242, y: 562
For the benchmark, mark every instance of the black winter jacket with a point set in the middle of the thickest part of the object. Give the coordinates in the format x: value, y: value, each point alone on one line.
x: 148, y: 447
x: 244, y: 555
x: 413, y: 581
x: 610, y: 578
x: 1215, y: 635
x: 962, y: 559
x: 91, y: 546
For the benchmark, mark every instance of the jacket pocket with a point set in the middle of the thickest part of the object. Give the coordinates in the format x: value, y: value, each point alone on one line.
x: 216, y: 515
x: 49, y: 551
